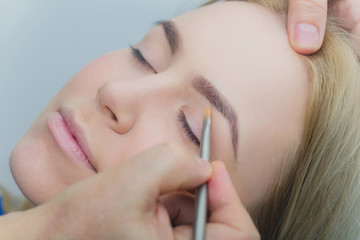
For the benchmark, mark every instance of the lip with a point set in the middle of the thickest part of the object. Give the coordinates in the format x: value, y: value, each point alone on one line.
x: 69, y: 137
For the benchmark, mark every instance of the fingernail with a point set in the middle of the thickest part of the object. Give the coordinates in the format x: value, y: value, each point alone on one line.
x: 306, y: 35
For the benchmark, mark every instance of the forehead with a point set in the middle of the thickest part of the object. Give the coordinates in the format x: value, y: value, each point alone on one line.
x: 235, y: 37
x: 234, y: 42
x: 243, y: 49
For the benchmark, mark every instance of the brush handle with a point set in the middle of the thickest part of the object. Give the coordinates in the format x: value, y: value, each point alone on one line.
x: 200, y: 213
x: 201, y: 193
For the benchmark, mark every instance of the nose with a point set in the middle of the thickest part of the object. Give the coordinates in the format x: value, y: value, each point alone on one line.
x: 119, y: 105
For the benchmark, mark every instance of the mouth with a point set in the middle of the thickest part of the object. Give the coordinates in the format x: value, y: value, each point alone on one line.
x: 68, y: 136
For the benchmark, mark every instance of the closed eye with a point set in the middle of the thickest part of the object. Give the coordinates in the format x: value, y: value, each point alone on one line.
x: 187, y: 130
x: 139, y: 56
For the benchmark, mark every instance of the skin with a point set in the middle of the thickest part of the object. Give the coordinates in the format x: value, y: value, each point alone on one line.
x: 349, y: 12
x: 60, y: 217
x: 266, y: 84
x: 306, y: 24
x: 308, y: 40
x: 107, y: 214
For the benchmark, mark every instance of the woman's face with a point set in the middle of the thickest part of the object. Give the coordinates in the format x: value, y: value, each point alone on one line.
x: 233, y: 57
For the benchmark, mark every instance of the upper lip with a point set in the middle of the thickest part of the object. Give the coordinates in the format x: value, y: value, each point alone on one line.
x: 77, y: 132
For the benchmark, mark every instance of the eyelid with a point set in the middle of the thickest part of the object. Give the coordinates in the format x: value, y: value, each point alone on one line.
x: 194, y: 119
x: 187, y: 129
x: 140, y: 57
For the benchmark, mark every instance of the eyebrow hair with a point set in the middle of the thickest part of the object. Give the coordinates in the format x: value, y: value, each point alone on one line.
x: 171, y: 34
x: 203, y: 86
x: 214, y: 96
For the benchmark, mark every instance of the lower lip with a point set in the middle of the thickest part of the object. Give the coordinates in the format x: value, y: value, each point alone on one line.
x: 66, y: 141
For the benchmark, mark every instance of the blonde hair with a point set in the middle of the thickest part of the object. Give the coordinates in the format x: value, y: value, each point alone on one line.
x: 317, y: 195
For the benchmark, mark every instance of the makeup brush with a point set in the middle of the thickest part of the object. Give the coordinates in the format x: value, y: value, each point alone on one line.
x: 201, y: 192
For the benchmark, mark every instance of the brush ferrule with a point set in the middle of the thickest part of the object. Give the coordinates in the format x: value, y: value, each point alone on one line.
x: 205, y: 140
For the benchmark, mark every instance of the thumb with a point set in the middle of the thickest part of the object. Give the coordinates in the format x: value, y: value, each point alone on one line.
x: 306, y: 24
x: 228, y: 218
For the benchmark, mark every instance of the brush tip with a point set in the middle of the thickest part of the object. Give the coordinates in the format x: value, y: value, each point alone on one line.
x: 207, y: 113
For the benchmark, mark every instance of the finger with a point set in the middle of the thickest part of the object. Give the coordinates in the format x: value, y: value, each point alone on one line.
x: 349, y: 13
x: 164, y: 168
x: 356, y: 34
x: 228, y: 217
x: 306, y: 24
x: 180, y: 207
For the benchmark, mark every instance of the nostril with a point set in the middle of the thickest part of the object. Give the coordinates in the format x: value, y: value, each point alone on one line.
x: 121, y: 123
x: 113, y: 116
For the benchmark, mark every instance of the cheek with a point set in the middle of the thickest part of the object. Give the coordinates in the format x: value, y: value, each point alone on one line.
x: 39, y: 167
x: 29, y: 168
x: 113, y: 149
x: 258, y: 165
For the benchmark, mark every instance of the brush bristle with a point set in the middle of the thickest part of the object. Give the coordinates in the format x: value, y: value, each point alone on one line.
x: 207, y: 113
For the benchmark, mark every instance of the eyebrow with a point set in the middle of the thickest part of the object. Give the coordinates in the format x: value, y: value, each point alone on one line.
x: 171, y: 33
x: 203, y: 86
x: 214, y: 96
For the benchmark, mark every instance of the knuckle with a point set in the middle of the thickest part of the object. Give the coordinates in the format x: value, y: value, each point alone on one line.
x: 356, y: 30
x: 241, y: 235
x: 166, y: 148
x: 177, y: 153
x: 178, y: 150
x: 250, y: 234
x: 253, y: 235
x: 256, y: 236
x: 313, y: 7
x: 172, y: 146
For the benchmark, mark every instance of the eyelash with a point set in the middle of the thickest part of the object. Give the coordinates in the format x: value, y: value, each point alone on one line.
x: 184, y: 124
x: 181, y: 116
x: 138, y: 55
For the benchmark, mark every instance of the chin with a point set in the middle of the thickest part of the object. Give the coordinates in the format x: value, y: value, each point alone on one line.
x: 28, y: 169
